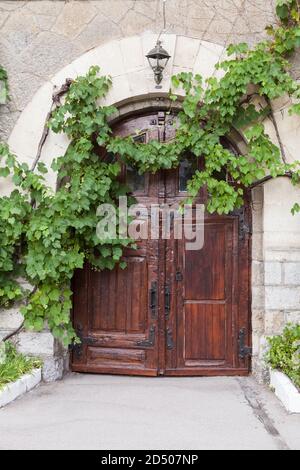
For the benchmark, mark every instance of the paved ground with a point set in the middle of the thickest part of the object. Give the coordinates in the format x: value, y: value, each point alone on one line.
x: 105, y: 412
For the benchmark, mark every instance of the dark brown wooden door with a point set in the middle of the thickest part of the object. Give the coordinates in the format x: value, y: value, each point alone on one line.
x: 172, y: 311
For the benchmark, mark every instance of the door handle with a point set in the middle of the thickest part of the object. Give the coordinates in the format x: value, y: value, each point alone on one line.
x: 167, y: 301
x: 153, y: 299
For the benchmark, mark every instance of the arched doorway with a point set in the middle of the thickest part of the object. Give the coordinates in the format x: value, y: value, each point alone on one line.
x: 172, y: 311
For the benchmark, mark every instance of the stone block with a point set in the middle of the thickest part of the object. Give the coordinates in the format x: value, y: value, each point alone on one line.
x: 282, y: 298
x: 186, y: 51
x: 20, y: 30
x: 281, y: 228
x: 257, y: 217
x: 109, y: 58
x: 257, y: 273
x: 207, y: 58
x: 257, y: 246
x: 257, y: 195
x: 258, y: 299
x: 136, y: 61
x: 45, y: 7
x: 292, y: 273
x: 133, y: 23
x: 53, y: 369
x: 73, y: 18
x: 255, y: 344
x: 290, y: 255
x: 97, y: 32
x: 10, y: 319
x: 48, y: 53
x: 26, y: 135
x: 258, y: 322
x: 273, y: 273
x: 274, y: 322
x: 292, y: 317
x: 115, y: 10
x: 36, y: 344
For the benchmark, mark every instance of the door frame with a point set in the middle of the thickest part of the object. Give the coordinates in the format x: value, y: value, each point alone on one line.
x: 237, y: 142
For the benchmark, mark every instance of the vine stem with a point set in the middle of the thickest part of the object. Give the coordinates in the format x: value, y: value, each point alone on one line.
x: 274, y: 122
x: 14, y: 333
x: 55, y: 102
x: 21, y: 327
x: 267, y: 178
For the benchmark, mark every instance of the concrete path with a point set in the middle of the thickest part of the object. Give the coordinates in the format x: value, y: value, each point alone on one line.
x: 105, y: 412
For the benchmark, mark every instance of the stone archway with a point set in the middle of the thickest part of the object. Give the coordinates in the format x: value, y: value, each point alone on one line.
x: 276, y: 246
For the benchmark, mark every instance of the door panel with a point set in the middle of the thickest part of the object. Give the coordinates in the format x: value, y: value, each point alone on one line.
x: 204, y: 271
x: 203, y: 314
x: 125, y: 311
x: 205, y: 333
x: 172, y: 311
x: 115, y: 315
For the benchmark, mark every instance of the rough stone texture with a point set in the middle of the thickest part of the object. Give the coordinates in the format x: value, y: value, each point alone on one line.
x: 53, y: 369
x: 36, y: 343
x: 10, y: 319
x: 292, y: 273
x: 38, y: 38
x: 273, y: 273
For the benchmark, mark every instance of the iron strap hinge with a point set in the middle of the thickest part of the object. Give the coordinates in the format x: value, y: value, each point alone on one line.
x: 150, y: 341
x: 153, y: 299
x: 169, y: 339
x: 244, y: 350
x: 244, y: 227
x: 88, y: 340
x: 167, y: 301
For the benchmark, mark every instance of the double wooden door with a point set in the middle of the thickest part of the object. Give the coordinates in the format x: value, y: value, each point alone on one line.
x: 173, y: 311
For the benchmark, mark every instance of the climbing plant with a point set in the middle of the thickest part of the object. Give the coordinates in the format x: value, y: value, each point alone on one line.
x: 45, y: 235
x: 3, y: 85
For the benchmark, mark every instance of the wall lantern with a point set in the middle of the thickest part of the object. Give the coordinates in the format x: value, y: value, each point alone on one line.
x: 158, y: 59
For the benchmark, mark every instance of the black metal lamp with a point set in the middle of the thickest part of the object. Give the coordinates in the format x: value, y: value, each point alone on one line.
x: 158, y: 58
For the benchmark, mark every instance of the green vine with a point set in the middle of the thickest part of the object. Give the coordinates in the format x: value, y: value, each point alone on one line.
x: 3, y: 85
x: 46, y: 235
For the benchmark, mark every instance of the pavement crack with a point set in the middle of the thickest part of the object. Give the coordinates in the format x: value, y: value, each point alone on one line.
x: 260, y: 413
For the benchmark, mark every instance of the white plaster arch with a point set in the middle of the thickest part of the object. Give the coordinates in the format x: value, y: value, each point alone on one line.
x: 132, y: 77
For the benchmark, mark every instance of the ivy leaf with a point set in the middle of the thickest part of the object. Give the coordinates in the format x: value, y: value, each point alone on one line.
x: 42, y: 168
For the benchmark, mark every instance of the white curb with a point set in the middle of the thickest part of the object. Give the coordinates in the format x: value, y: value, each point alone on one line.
x: 24, y: 384
x: 286, y: 391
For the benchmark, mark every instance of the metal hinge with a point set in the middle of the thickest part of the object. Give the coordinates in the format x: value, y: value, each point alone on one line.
x: 167, y: 301
x: 153, y: 299
x: 244, y: 350
x: 77, y: 349
x: 150, y: 341
x: 244, y: 227
x: 169, y: 338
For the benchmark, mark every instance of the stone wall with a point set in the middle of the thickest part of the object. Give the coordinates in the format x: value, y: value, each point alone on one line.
x: 38, y: 38
x: 44, y: 42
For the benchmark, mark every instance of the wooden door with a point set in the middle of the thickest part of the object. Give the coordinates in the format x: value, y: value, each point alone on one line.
x: 172, y: 311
